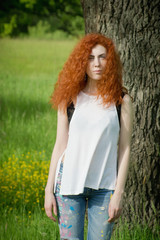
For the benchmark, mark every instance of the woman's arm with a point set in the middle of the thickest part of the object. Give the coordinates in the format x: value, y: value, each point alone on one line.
x: 115, y: 205
x: 59, y: 147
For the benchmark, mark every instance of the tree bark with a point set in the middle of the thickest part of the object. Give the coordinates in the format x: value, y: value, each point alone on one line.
x: 133, y: 26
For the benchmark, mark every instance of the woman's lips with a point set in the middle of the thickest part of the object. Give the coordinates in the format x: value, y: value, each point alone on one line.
x: 98, y: 71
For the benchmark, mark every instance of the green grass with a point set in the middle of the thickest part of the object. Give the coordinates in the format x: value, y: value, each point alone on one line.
x: 37, y: 226
x: 28, y: 71
x: 29, y: 226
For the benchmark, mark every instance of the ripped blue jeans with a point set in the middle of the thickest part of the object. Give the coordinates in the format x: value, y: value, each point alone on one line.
x: 71, y: 213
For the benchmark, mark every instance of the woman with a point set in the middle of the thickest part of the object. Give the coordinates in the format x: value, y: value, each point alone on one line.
x: 85, y: 166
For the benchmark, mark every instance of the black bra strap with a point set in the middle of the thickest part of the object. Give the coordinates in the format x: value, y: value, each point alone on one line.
x: 119, y: 110
x: 70, y: 111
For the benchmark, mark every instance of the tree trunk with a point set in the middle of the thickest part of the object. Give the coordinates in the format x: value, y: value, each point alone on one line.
x: 133, y: 27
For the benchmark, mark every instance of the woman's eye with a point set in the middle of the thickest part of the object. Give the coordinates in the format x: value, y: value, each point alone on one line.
x: 91, y: 57
x: 102, y: 57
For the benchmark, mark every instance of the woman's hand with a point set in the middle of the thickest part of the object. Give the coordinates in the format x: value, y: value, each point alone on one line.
x: 50, y: 203
x: 115, y: 207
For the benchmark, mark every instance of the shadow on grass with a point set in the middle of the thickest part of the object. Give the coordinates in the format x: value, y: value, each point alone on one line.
x: 20, y: 107
x: 26, y: 124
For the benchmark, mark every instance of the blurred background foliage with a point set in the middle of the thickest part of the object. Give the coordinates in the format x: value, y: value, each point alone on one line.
x: 49, y: 19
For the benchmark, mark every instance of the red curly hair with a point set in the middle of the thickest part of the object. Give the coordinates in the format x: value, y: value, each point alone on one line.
x: 71, y: 78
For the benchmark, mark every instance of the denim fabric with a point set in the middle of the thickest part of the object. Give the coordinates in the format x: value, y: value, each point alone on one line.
x: 71, y: 213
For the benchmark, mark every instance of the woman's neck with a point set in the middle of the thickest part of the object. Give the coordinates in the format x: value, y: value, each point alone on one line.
x: 91, y: 86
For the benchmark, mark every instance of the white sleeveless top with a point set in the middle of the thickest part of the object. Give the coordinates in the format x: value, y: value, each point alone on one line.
x: 90, y: 158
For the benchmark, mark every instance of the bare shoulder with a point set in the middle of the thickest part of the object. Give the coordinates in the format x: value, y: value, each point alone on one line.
x: 62, y: 113
x: 127, y: 99
x: 62, y: 118
x: 62, y: 128
x: 127, y: 112
x: 127, y: 105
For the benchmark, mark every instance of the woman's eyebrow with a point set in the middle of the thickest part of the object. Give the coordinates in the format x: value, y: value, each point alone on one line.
x: 98, y: 55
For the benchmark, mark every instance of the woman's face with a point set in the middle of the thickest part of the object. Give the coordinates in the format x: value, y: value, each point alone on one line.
x: 96, y: 62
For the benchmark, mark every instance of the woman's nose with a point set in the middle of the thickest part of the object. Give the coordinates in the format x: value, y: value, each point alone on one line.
x: 96, y: 62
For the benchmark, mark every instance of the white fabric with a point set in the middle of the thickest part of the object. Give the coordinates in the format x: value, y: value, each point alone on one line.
x: 91, y: 155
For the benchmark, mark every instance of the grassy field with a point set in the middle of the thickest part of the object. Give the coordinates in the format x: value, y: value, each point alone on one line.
x: 28, y: 71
